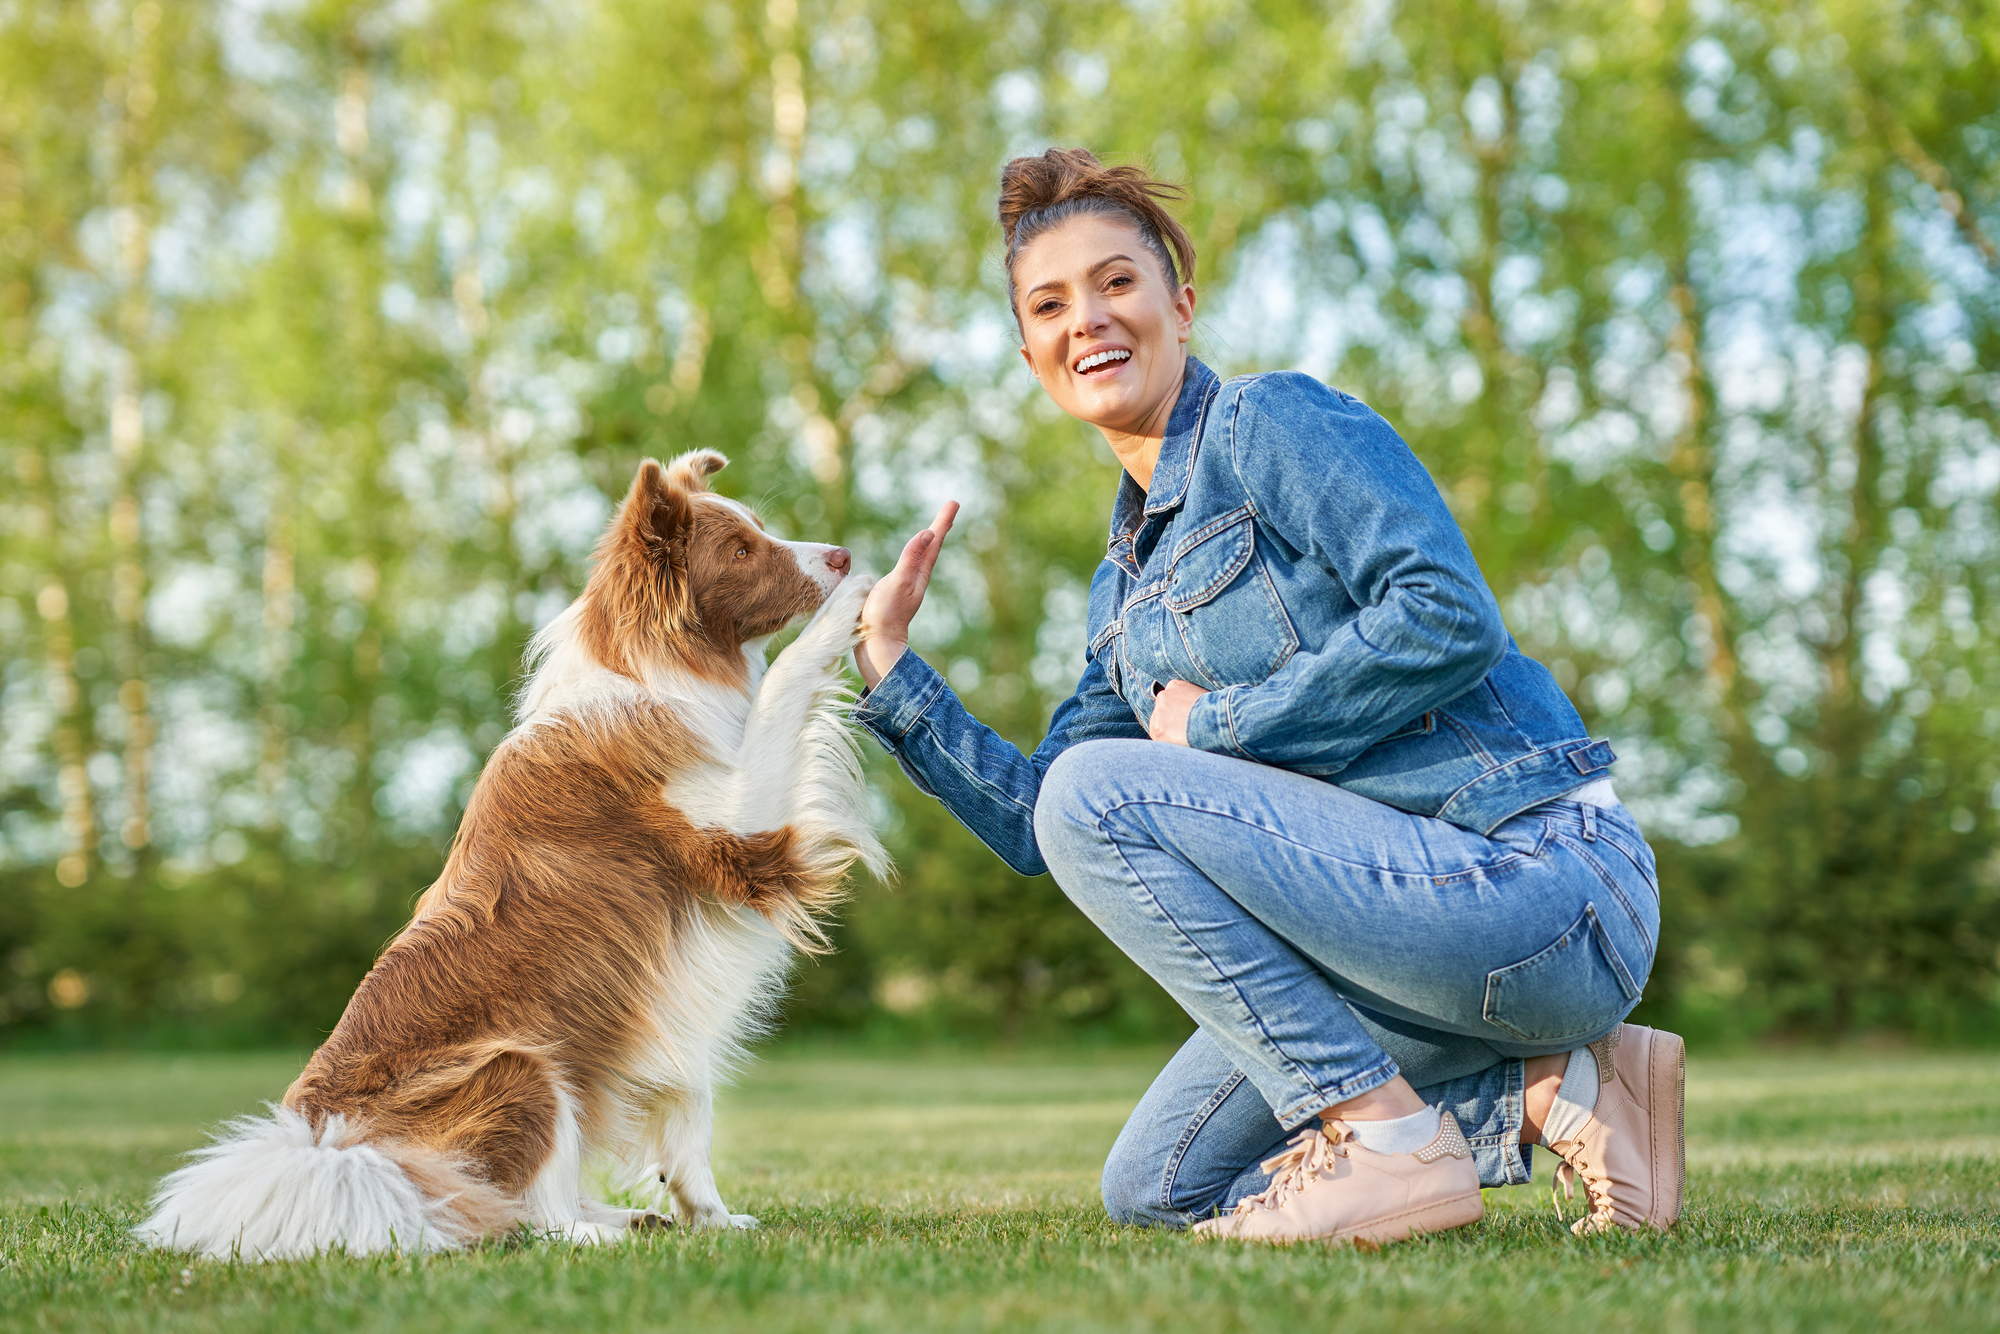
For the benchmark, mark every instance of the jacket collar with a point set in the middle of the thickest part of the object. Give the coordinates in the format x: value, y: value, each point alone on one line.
x: 1176, y: 462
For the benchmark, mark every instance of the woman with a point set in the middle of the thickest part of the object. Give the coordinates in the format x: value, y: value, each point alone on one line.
x: 1307, y: 782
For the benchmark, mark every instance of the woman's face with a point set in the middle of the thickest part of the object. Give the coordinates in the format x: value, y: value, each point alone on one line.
x: 1100, y: 327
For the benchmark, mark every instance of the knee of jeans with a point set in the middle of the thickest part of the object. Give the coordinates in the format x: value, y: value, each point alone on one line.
x: 1132, y: 1194
x: 1074, y: 793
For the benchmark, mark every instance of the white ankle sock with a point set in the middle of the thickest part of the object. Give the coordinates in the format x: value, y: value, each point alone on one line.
x: 1404, y: 1134
x: 1575, y: 1100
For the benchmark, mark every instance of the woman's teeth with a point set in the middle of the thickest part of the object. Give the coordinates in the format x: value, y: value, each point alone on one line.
x: 1097, y: 359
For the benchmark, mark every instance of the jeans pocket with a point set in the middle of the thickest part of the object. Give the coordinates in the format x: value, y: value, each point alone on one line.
x: 1571, y: 991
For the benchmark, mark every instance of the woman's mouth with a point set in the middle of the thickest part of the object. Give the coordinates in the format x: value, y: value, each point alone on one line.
x: 1101, y: 362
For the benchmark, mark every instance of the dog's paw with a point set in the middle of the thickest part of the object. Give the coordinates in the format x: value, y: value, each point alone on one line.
x: 836, y: 626
x: 645, y: 1220
x: 843, y: 605
x: 721, y: 1219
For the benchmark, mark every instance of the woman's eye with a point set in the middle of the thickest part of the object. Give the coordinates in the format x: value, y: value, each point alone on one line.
x: 1045, y: 307
x: 1121, y: 281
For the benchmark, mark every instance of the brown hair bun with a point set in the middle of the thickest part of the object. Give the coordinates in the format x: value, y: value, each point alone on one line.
x: 1039, y: 193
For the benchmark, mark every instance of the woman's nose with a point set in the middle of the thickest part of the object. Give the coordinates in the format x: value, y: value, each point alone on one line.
x: 838, y: 560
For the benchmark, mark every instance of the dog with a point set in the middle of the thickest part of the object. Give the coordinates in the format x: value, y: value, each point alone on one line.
x: 666, y: 825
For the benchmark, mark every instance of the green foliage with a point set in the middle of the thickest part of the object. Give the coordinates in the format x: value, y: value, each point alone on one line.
x: 955, y: 1192
x: 327, y: 330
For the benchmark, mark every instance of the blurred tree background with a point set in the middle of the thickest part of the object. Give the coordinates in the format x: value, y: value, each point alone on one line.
x: 328, y: 331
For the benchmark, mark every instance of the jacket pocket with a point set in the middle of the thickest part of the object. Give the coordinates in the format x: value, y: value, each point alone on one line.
x: 1224, y: 608
x: 1209, y: 565
x: 1104, y: 650
x: 1571, y: 991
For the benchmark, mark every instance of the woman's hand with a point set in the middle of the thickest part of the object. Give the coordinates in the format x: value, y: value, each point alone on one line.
x: 893, y: 602
x: 1171, y: 703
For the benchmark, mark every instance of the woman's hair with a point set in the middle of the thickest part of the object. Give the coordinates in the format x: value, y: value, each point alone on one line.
x: 1040, y: 193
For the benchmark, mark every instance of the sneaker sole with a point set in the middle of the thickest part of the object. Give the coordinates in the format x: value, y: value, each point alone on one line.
x: 1439, y: 1217
x: 1666, y: 1095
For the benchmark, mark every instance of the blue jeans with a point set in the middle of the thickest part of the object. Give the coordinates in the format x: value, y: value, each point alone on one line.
x: 1324, y: 943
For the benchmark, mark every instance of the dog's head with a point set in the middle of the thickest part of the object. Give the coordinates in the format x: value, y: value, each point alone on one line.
x: 685, y: 578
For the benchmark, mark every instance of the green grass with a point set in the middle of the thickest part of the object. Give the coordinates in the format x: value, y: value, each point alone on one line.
x: 958, y: 1192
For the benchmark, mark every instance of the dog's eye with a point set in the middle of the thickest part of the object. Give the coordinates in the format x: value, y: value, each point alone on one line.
x: 743, y: 553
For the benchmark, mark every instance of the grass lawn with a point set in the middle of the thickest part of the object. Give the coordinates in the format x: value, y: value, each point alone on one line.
x: 958, y: 1192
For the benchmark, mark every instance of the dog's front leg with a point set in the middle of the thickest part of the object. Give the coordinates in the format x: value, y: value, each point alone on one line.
x: 685, y: 1131
x: 779, y: 744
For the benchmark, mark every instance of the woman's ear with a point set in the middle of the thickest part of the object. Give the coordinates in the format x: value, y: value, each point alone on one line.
x: 1031, y: 364
x: 1184, y: 312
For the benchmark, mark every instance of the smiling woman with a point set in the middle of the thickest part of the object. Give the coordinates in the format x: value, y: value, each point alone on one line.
x: 1307, y: 782
x: 1102, y: 329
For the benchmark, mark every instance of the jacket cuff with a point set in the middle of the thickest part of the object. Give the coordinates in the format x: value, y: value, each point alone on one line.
x: 892, y: 708
x: 1209, y: 727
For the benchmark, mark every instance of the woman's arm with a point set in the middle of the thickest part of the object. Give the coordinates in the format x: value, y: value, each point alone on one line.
x: 1332, y: 480
x: 981, y: 778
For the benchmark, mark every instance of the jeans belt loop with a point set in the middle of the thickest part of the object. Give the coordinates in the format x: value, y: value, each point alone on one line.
x: 1590, y: 824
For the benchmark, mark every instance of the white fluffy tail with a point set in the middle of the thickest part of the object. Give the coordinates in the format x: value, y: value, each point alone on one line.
x: 270, y: 1188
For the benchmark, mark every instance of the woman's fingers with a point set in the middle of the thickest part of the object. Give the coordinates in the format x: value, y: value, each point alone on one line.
x: 1171, y: 705
x: 947, y: 515
x: 911, y: 566
x: 920, y: 553
x: 926, y: 545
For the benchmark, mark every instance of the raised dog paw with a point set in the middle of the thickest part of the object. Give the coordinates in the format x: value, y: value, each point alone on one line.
x: 843, y: 605
x: 836, y: 627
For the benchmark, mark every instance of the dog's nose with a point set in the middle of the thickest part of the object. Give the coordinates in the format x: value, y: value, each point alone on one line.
x: 838, y: 560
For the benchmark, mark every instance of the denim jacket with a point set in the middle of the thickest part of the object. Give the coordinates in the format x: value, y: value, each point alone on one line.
x: 1292, y: 557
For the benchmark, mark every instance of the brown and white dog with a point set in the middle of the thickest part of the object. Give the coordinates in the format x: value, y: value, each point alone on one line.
x: 637, y: 863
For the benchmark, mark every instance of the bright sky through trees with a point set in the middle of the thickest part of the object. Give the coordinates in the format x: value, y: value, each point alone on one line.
x: 327, y: 330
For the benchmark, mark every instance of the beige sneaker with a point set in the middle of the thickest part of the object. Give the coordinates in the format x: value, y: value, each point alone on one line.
x: 1631, y: 1155
x: 1327, y: 1186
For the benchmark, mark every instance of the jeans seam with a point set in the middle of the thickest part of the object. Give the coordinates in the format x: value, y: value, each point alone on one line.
x: 1514, y: 1114
x: 1604, y: 835
x: 1652, y: 946
x: 1287, y: 1065
x: 1428, y: 877
x: 1195, y: 1125
x: 1345, y: 1089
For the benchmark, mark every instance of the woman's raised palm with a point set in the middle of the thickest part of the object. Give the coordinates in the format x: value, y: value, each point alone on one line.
x: 893, y: 602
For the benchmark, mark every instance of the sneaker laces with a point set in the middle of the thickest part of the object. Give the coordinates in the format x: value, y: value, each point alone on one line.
x: 1306, y: 1155
x: 1575, y: 1165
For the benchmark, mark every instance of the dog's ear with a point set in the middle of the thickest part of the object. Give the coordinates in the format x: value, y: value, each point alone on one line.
x: 693, y: 469
x: 657, y: 514
x: 639, y: 594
